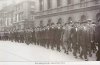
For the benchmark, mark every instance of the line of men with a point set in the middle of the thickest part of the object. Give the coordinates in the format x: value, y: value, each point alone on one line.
x: 78, y: 38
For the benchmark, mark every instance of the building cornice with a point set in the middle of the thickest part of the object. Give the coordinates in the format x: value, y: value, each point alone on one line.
x: 73, y: 8
x: 68, y: 12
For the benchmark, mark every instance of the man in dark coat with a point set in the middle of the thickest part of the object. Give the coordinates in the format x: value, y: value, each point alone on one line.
x: 74, y: 39
x: 97, y: 40
x: 37, y: 35
x: 52, y: 33
x: 58, y: 36
x: 47, y: 36
x: 83, y: 40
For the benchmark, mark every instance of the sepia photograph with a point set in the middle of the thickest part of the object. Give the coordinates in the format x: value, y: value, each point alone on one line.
x: 49, y: 31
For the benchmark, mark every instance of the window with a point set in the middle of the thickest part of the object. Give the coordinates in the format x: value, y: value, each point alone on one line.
x: 16, y: 18
x: 49, y: 2
x: 81, y: 1
x: 96, y: 1
x: 19, y: 17
x: 69, y: 2
x: 59, y: 3
x: 41, y: 4
x: 82, y: 4
x: 32, y: 5
x: 32, y: 17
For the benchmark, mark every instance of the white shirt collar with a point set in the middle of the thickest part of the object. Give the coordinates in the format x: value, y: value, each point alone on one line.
x: 76, y: 29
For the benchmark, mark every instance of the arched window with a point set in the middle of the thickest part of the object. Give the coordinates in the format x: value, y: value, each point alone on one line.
x: 83, y: 18
x: 59, y: 21
x: 70, y: 19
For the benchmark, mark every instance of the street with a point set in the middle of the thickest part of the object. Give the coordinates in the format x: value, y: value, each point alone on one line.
x: 20, y: 52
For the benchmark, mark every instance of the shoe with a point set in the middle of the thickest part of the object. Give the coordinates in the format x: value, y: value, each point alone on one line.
x: 75, y: 56
x: 79, y: 52
x: 86, y: 59
x: 67, y: 53
x: 94, y: 51
x: 90, y: 55
x: 64, y: 51
x: 59, y: 50
x: 70, y: 50
x: 81, y: 57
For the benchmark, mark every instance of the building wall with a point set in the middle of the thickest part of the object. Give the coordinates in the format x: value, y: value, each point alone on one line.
x: 89, y: 8
x: 15, y: 15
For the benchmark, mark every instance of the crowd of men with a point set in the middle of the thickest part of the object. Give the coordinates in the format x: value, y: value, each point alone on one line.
x: 78, y: 38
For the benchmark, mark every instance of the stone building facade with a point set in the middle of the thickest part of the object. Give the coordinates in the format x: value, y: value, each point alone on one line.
x: 18, y: 16
x: 67, y: 10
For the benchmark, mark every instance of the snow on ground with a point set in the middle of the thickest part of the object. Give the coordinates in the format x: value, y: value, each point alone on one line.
x: 12, y: 51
